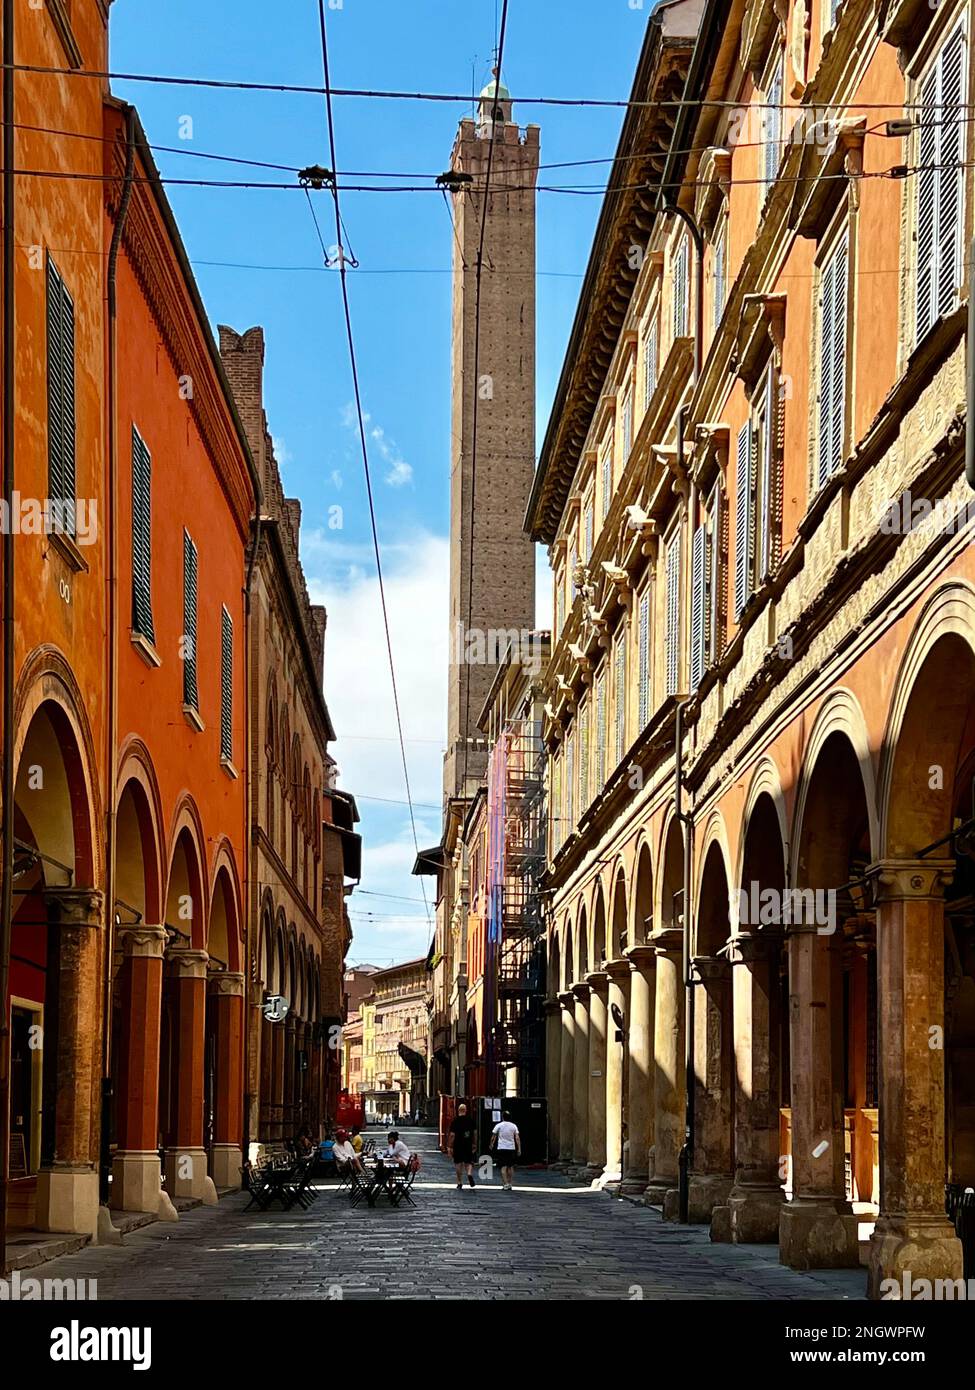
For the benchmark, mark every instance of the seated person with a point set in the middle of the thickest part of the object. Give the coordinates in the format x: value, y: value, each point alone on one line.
x: 344, y: 1154
x: 326, y: 1154
x: 304, y: 1144
x: 397, y: 1155
x: 356, y: 1140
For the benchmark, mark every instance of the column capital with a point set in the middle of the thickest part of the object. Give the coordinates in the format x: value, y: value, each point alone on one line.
x: 618, y: 969
x: 567, y: 999
x: 710, y: 967
x: 189, y: 964
x: 900, y: 879
x: 551, y: 1004
x: 641, y: 957
x: 75, y: 907
x: 750, y: 946
x: 227, y: 982
x: 667, y: 940
x: 598, y: 981
x: 581, y: 991
x: 140, y: 941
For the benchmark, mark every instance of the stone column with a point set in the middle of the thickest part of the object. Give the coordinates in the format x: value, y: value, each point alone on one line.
x: 186, y: 1159
x: 912, y: 1235
x: 618, y: 994
x: 598, y: 983
x: 566, y: 1080
x: 67, y: 1188
x: 277, y: 1081
x: 580, y: 1081
x: 756, y: 1198
x: 668, y: 1065
x: 136, y: 1174
x: 553, y: 1071
x: 255, y: 1059
x: 636, y: 1171
x: 227, y: 1002
x: 710, y: 1178
x: 817, y: 1229
x: 288, y: 1098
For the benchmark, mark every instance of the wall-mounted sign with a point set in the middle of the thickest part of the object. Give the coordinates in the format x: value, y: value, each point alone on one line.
x: 275, y: 1008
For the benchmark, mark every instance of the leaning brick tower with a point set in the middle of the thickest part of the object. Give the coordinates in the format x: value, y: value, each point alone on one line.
x: 487, y: 507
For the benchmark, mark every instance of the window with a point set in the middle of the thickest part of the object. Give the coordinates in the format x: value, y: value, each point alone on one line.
x: 680, y: 290
x: 714, y: 638
x: 627, y: 424
x: 191, y: 694
x: 601, y: 730
x: 832, y: 359
x: 569, y: 819
x: 560, y: 587
x: 939, y: 213
x: 699, y: 604
x: 583, y: 758
x: 643, y: 659
x: 606, y: 481
x: 768, y: 482
x: 772, y: 123
x: 619, y: 697
x: 588, y: 539
x: 227, y: 685
x: 556, y: 804
x: 744, y: 519
x: 141, y: 539
x: 62, y: 483
x: 650, y: 363
x: 673, y: 613
x: 719, y: 272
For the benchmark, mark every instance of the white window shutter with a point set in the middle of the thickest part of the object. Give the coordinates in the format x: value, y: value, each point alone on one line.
x: 607, y: 481
x: 743, y: 529
x: 838, y: 366
x: 951, y: 172
x: 773, y: 125
x: 619, y: 696
x: 698, y: 604
x: 650, y: 364
x: 927, y: 202
x: 767, y: 484
x: 680, y: 290
x: 832, y: 361
x: 673, y: 614
x: 644, y: 659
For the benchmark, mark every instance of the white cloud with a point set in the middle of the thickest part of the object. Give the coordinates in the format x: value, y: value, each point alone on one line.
x: 360, y: 701
x: 398, y: 472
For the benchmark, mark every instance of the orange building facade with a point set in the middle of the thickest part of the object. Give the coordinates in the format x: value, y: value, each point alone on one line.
x: 761, y: 721
x: 134, y: 988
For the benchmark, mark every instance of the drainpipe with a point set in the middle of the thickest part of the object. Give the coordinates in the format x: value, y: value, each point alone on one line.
x: 251, y: 891
x: 111, y: 683
x: 970, y: 373
x: 8, y: 788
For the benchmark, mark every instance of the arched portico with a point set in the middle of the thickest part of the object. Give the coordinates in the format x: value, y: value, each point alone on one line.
x: 668, y: 1089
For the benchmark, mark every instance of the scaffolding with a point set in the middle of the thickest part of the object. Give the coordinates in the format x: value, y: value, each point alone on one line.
x: 516, y: 927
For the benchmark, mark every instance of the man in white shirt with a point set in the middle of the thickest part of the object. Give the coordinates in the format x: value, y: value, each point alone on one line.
x: 397, y: 1155
x: 506, y: 1143
x: 344, y: 1154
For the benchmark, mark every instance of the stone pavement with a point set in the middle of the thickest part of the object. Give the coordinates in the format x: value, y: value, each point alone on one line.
x: 546, y: 1240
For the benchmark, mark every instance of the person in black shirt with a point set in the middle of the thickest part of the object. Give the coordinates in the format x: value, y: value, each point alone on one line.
x: 462, y: 1145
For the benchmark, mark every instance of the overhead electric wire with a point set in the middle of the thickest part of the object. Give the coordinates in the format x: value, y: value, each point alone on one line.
x: 620, y: 103
x: 343, y: 280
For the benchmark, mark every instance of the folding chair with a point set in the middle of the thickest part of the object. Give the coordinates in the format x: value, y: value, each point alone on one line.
x: 258, y: 1183
x: 399, y: 1188
x: 358, y: 1188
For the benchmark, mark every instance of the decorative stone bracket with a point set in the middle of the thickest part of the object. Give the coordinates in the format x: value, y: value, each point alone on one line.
x: 762, y: 20
x: 714, y: 181
x: 761, y: 333
x: 831, y: 148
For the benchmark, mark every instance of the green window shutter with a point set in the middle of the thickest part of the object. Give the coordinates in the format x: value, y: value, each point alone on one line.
x: 141, y: 538
x: 61, y: 440
x: 191, y: 693
x: 54, y: 427
x: 226, y: 684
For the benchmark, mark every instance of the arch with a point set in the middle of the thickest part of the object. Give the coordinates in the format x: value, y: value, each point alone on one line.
x: 58, y: 815
x: 640, y: 921
x: 767, y: 782
x: 271, y: 727
x: 840, y: 717
x: 711, y: 921
x: 567, y: 956
x: 554, y: 965
x: 618, y: 920
x: 224, y: 875
x: 715, y: 833
x: 598, y: 949
x: 139, y: 847
x: 186, y: 897
x: 582, y: 948
x: 670, y: 909
x: 285, y: 749
x: 927, y: 722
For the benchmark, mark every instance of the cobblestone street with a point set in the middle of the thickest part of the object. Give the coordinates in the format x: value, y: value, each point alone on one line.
x: 546, y: 1240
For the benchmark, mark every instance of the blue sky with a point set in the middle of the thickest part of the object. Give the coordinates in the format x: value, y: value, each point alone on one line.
x: 401, y: 314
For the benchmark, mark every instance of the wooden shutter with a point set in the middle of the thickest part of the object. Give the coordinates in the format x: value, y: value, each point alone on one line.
x: 773, y: 125
x: 643, y: 659
x: 606, y: 483
x: 768, y: 483
x: 583, y: 759
x: 650, y: 364
x: 680, y: 290
x: 141, y: 538
x: 600, y: 731
x: 673, y: 614
x: 569, y: 820
x: 832, y: 361
x: 589, y: 530
x: 743, y: 520
x: 627, y: 425
x: 191, y: 694
x: 713, y: 578
x: 718, y: 276
x: 698, y: 611
x: 226, y: 684
x: 927, y: 201
x: 556, y: 835
x: 951, y: 174
x: 61, y: 434
x: 619, y: 696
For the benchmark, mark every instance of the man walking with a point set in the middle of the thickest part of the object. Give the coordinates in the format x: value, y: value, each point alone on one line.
x: 461, y: 1143
x: 506, y: 1143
